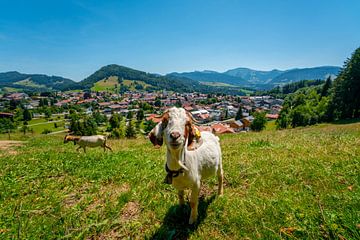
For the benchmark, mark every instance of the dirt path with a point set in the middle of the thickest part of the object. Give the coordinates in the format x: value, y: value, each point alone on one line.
x: 6, y: 146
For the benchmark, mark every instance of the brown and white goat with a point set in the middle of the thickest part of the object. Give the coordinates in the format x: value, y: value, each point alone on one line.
x: 88, y: 141
x: 190, y: 157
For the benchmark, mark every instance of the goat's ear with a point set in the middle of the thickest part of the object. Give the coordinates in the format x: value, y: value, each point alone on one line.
x: 156, y: 135
x: 191, y: 132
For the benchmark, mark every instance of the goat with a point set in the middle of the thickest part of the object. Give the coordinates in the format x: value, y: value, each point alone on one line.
x: 88, y: 141
x: 190, y: 156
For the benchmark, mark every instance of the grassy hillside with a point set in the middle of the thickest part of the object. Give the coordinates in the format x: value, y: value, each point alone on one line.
x: 290, y: 184
x: 111, y: 83
x: 107, y: 84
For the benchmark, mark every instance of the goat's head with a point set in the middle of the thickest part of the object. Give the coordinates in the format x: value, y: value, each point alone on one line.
x: 69, y: 138
x: 176, y: 129
x: 66, y: 138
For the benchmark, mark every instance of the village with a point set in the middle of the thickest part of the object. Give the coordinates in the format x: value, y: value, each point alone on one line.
x: 217, y: 113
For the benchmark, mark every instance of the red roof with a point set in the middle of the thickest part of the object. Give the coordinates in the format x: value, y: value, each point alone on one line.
x: 272, y: 116
x: 204, y: 128
x: 204, y: 116
x: 220, y: 128
x: 154, y: 117
x: 188, y: 108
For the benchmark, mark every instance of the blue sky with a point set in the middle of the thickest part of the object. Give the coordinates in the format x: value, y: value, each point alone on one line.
x: 75, y: 38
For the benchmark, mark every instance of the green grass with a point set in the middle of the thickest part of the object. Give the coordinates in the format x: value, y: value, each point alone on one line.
x: 107, y: 84
x: 29, y: 83
x: 291, y: 184
x: 10, y: 89
x: 217, y: 84
x: 131, y: 84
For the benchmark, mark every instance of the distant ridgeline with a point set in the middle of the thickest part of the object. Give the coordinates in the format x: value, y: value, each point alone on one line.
x: 35, y: 82
x: 262, y: 80
x: 234, y: 82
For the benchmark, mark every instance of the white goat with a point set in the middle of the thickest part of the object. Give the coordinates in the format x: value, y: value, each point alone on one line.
x: 190, y: 157
x: 88, y: 141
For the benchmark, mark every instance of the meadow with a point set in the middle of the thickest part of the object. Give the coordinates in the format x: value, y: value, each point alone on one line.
x: 291, y: 184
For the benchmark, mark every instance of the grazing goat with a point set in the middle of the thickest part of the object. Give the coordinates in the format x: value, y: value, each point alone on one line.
x: 190, y: 156
x: 88, y: 141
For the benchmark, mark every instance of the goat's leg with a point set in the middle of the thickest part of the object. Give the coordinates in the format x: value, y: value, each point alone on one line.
x: 84, y: 149
x: 220, y: 176
x: 108, y: 147
x: 194, y: 202
x: 78, y: 148
x: 181, y: 197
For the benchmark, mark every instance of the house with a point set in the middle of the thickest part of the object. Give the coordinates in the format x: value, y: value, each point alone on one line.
x: 272, y: 116
x: 219, y: 128
x: 247, y: 121
x: 237, y: 125
x: 6, y: 115
x: 154, y: 117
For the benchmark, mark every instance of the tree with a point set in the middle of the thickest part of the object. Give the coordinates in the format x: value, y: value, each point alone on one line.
x: 24, y: 129
x: 157, y: 102
x: 13, y: 104
x: 47, y: 113
x: 99, y: 118
x: 239, y: 114
x: 129, y: 115
x: 115, y: 121
x: 140, y: 115
x: 6, y: 125
x: 148, y: 126
x: 130, y: 130
x: 259, y: 122
x: 325, y: 89
x: 345, y: 100
x: 27, y: 115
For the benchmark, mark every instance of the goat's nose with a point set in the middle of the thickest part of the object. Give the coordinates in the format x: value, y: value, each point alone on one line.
x: 175, y: 135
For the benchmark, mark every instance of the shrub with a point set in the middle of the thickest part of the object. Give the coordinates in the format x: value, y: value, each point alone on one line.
x: 46, y: 131
x: 259, y: 122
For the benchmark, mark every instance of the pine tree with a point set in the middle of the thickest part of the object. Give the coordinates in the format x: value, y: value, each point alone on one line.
x: 345, y: 100
x: 26, y: 115
x: 326, y: 87
x: 140, y: 115
x: 239, y: 114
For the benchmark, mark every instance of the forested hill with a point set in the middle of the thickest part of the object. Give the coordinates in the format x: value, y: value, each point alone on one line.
x: 154, y: 81
x: 35, y: 82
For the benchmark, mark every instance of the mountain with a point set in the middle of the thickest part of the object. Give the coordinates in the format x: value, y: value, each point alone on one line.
x: 295, y: 75
x: 247, y: 77
x: 35, y: 82
x: 211, y: 76
x: 154, y: 81
x: 150, y: 81
x: 254, y: 76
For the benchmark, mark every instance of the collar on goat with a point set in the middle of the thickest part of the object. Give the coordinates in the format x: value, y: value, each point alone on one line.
x: 172, y: 174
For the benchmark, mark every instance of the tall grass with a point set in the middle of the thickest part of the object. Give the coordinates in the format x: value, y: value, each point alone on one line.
x: 291, y: 184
